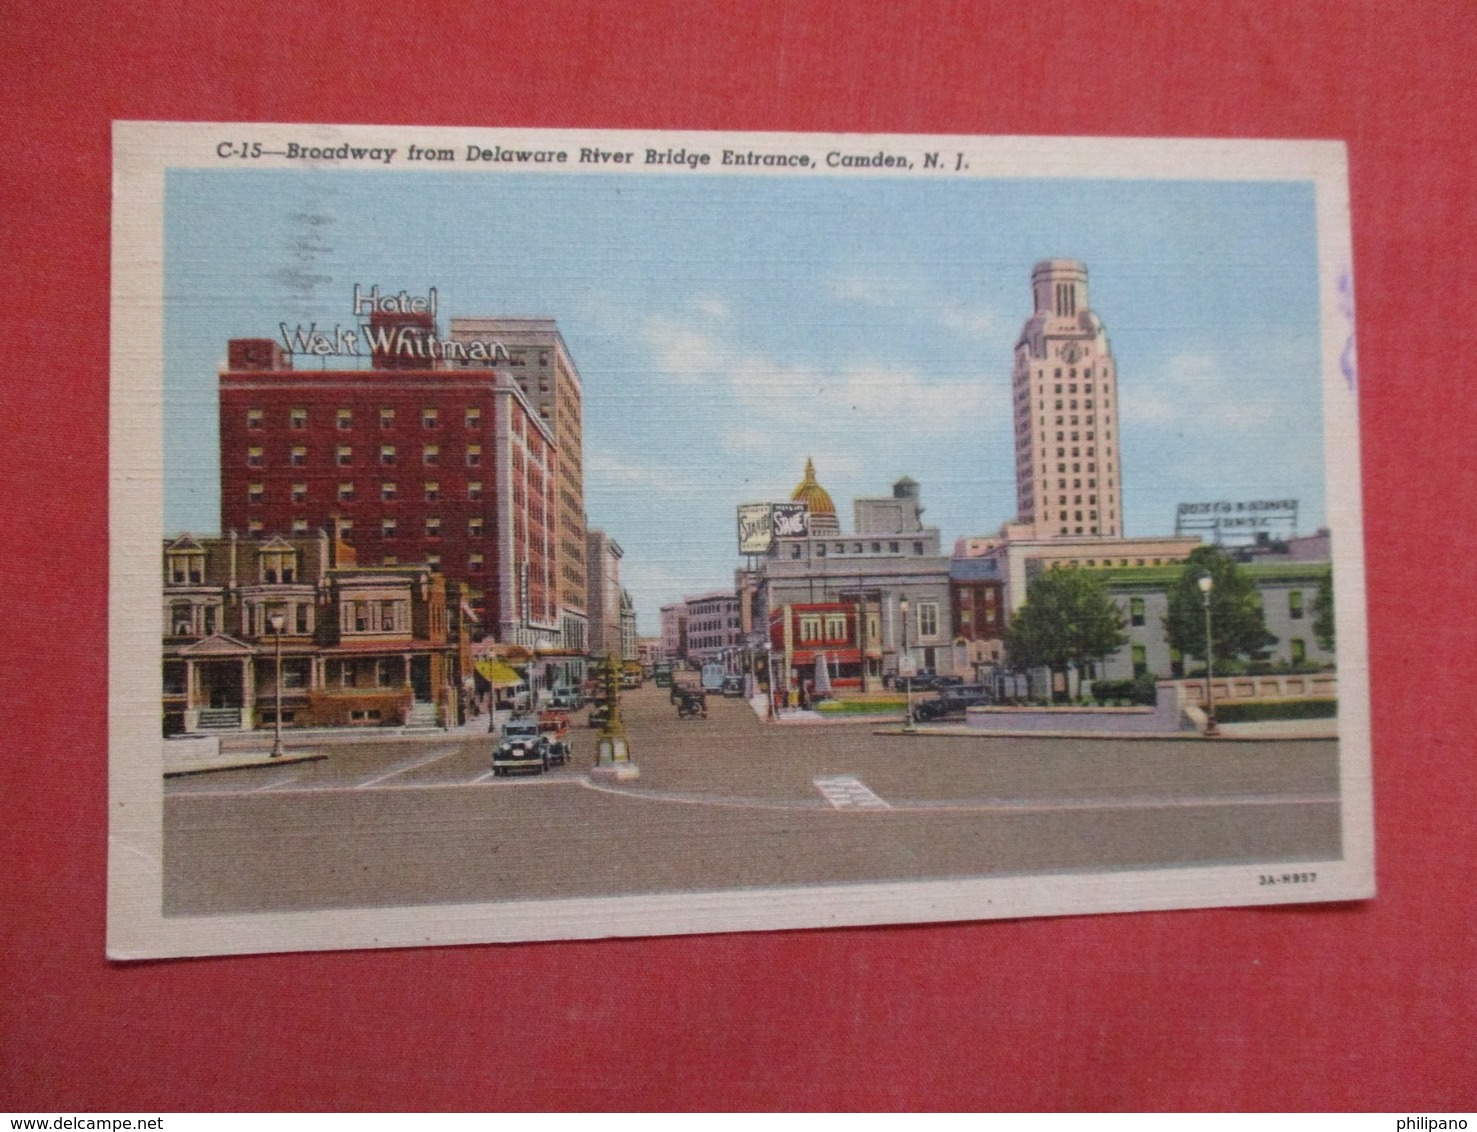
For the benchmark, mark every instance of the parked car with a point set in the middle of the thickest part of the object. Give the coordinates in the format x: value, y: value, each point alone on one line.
x: 566, y: 699
x: 522, y: 746
x: 599, y: 715
x: 733, y: 686
x: 554, y: 724
x: 952, y: 700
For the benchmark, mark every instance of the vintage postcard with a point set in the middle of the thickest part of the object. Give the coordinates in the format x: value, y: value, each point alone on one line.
x: 548, y: 534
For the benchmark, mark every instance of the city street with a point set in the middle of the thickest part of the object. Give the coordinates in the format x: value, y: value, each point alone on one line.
x: 730, y: 802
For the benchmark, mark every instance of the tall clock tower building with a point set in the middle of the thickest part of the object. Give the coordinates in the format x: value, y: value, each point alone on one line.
x: 1067, y: 471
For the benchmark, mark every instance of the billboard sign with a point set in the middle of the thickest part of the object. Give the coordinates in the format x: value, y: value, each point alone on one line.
x: 759, y: 524
x: 791, y: 520
x: 755, y: 528
x: 1242, y: 520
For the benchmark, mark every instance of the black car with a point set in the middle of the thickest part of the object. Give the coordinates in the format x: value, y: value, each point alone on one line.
x: 522, y: 746
x: 952, y: 700
x: 733, y: 686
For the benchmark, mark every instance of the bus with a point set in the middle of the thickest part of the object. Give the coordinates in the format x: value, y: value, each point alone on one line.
x: 662, y: 673
x: 713, y: 675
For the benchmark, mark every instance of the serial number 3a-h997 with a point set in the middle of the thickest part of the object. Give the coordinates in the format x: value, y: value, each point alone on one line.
x: 1288, y: 878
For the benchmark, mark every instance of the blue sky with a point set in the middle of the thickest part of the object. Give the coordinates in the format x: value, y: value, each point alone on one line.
x: 726, y: 328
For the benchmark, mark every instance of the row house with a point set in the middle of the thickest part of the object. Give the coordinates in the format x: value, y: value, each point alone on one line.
x: 357, y: 646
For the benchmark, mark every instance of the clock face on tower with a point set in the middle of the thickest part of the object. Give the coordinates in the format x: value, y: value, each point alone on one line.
x: 1071, y: 352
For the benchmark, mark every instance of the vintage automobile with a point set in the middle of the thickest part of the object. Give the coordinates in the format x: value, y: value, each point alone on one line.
x: 599, y: 715
x: 952, y: 700
x: 521, y: 746
x: 566, y: 699
x: 691, y: 703
x: 554, y: 723
x: 733, y: 686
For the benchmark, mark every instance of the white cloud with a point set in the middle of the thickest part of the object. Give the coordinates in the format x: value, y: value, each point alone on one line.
x: 1200, y: 390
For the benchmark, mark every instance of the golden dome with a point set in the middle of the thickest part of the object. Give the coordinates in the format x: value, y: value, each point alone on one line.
x: 813, y: 493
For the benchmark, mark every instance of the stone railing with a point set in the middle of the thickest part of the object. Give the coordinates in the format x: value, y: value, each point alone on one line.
x: 1305, y: 685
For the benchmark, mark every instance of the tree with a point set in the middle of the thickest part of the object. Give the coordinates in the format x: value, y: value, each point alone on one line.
x: 1067, y: 619
x: 1238, y: 627
x: 1323, y: 626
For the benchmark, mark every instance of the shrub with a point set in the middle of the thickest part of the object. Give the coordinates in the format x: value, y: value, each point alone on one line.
x: 1253, y: 711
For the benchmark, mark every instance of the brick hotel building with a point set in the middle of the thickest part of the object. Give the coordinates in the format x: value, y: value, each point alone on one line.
x: 419, y: 459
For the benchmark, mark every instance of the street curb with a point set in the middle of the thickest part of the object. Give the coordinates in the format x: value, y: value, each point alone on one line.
x: 284, y: 760
x: 1128, y: 736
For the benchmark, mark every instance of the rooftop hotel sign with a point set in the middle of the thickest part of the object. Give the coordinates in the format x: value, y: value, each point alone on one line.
x: 390, y: 330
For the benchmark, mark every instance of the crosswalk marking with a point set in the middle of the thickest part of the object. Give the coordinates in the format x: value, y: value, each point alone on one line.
x: 847, y: 792
x: 435, y: 756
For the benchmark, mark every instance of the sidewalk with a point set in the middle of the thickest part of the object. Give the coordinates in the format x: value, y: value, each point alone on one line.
x: 201, y: 754
x: 233, y: 750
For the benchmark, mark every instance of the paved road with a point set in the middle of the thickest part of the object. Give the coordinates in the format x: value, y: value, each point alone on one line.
x: 730, y: 802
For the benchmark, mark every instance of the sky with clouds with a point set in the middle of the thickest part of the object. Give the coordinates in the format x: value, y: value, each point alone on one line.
x: 726, y: 328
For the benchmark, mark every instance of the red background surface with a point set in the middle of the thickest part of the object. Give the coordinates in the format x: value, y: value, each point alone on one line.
x: 1371, y: 1005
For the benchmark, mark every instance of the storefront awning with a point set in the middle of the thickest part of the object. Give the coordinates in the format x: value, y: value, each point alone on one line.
x: 496, y: 673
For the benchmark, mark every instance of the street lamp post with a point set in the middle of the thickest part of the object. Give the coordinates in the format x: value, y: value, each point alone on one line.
x: 1207, y: 583
x: 905, y: 663
x: 278, y: 622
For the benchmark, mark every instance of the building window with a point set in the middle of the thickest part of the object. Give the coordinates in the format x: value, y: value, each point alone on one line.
x: 892, y: 548
x: 278, y: 565
x: 299, y: 493
x: 346, y: 530
x: 390, y: 560
x: 183, y: 625
x: 387, y: 454
x: 430, y: 418
x: 298, y: 418
x: 188, y: 566
x: 1136, y: 610
x: 253, y: 457
x: 433, y: 561
x: 835, y: 627
x: 301, y: 620
x: 253, y: 526
x: 474, y: 489
x: 1299, y: 650
x: 253, y: 418
x: 299, y: 526
x: 474, y: 562
x: 431, y: 454
x: 1140, y: 660
x: 1295, y: 605
x: 474, y: 526
x: 474, y: 455
x: 387, y: 527
x: 345, y: 419
x: 474, y: 418
x: 433, y: 491
x: 346, y: 492
x: 433, y: 527
x: 387, y: 616
x: 345, y: 456
x: 387, y: 418
x: 387, y: 492
x: 810, y: 628
x: 928, y: 618
x: 253, y: 493
x: 299, y: 457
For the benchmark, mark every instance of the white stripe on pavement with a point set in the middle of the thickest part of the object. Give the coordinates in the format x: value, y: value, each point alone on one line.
x: 434, y: 756
x: 846, y: 792
x: 274, y: 785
